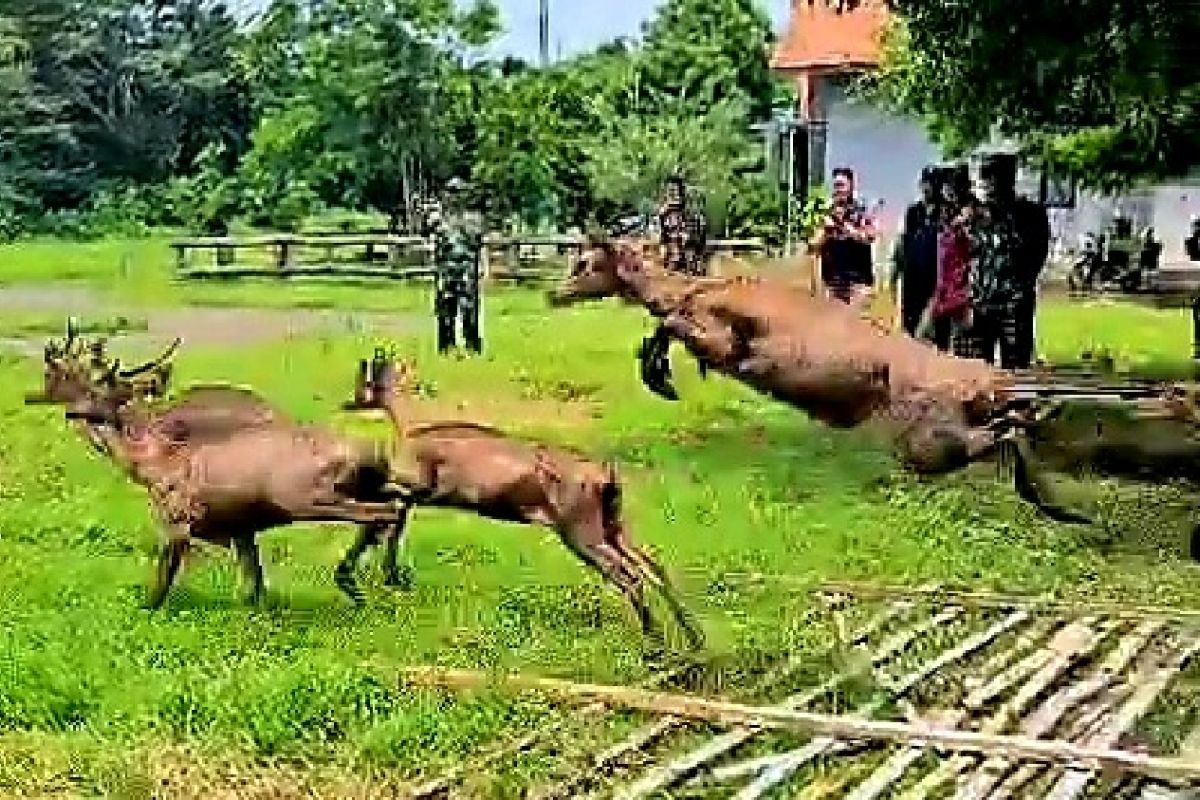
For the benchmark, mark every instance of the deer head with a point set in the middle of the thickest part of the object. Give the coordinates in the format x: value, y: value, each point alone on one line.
x: 603, y: 269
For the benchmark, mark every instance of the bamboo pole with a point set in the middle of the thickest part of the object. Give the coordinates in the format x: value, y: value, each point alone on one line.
x: 724, y: 712
x: 1085, y: 725
x: 1043, y: 720
x: 522, y: 744
x: 667, y: 774
x: 782, y: 770
x: 891, y: 771
x: 1076, y: 780
x: 1074, y: 640
x: 1000, y: 600
x: 657, y: 729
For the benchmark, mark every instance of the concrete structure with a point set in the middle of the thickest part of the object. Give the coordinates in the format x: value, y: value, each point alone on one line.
x: 828, y: 42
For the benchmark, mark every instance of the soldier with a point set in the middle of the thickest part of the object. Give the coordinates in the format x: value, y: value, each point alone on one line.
x: 458, y: 244
x: 683, y: 231
x: 1010, y: 243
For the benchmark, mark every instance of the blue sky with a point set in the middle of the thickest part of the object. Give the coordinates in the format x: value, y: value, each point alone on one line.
x: 583, y: 24
x: 575, y: 24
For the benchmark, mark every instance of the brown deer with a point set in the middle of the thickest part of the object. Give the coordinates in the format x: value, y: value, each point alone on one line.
x: 826, y: 359
x: 482, y: 470
x: 227, y: 489
x: 820, y: 356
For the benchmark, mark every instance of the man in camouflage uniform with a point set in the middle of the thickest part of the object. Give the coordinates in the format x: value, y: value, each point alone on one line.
x: 458, y: 243
x: 1010, y: 243
x: 683, y: 231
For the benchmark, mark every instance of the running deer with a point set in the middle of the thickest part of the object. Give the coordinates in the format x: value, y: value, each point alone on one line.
x: 227, y: 489
x: 484, y: 471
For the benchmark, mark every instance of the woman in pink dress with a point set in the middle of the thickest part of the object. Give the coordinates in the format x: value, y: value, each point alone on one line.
x: 949, y: 311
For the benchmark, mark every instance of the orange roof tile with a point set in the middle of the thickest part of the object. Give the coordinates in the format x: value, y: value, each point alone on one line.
x: 820, y: 37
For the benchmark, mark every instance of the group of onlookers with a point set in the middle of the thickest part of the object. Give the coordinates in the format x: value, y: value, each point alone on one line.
x: 967, y: 260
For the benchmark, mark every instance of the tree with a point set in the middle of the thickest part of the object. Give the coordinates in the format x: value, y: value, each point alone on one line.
x: 1104, y: 90
x: 703, y: 52
x: 629, y: 161
x: 384, y: 84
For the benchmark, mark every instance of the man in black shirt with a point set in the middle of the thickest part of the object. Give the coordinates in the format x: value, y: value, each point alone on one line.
x: 916, y: 252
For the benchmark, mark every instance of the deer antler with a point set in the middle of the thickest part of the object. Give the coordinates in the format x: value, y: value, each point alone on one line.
x: 149, y: 365
x: 72, y: 335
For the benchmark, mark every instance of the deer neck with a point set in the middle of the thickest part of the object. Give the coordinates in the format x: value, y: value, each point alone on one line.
x: 399, y: 414
x: 133, y: 446
x: 658, y: 292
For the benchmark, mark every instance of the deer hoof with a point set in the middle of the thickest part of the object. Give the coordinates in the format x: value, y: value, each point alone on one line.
x: 344, y: 579
x: 402, y: 578
x: 155, y: 601
x: 664, y: 389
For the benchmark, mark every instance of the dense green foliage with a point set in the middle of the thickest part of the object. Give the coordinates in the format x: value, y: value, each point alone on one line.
x: 127, y: 115
x: 1105, y: 90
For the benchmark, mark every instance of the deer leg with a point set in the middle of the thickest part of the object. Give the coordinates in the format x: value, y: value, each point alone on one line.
x: 169, y: 562
x: 658, y: 576
x: 393, y: 574
x: 251, y: 563
x: 655, y: 358
x: 615, y: 569
x: 343, y: 576
x: 1032, y: 489
x: 335, y: 508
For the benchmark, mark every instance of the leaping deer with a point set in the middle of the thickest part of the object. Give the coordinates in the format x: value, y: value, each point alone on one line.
x: 484, y: 471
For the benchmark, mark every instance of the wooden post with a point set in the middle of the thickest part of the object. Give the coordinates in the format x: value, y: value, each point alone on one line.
x: 287, y: 256
x: 180, y: 257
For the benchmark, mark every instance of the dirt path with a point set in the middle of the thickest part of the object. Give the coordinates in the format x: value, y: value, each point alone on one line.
x: 229, y: 326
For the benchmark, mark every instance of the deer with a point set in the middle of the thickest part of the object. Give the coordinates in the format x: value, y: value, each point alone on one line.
x: 479, y: 469
x: 226, y: 490
x: 842, y: 369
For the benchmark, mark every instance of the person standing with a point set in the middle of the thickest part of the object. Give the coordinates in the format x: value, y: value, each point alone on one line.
x: 458, y: 245
x: 948, y: 318
x: 1191, y: 245
x: 683, y: 231
x: 1011, y: 240
x: 915, y: 266
x: 844, y: 246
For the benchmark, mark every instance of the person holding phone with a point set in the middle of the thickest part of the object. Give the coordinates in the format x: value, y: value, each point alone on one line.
x: 844, y: 245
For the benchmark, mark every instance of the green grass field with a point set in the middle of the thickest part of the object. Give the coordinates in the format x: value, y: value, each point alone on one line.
x: 99, y: 697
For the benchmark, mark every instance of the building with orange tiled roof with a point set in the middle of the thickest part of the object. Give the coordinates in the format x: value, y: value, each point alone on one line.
x: 827, y: 38
x: 825, y: 44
